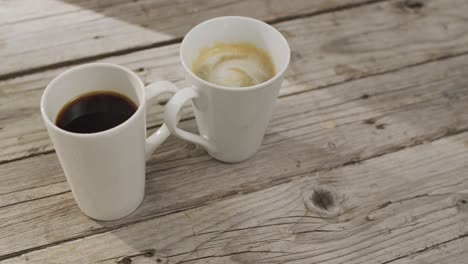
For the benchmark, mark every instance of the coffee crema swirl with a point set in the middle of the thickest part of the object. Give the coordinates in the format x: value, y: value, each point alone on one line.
x: 234, y: 65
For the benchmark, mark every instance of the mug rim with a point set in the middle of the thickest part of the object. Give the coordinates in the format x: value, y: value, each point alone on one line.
x: 109, y: 131
x: 227, y: 88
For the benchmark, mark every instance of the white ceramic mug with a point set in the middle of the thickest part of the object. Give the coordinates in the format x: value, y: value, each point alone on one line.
x: 105, y: 170
x: 231, y: 121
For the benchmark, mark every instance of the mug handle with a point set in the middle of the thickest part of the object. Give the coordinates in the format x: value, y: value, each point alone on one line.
x: 171, y: 118
x: 157, y: 138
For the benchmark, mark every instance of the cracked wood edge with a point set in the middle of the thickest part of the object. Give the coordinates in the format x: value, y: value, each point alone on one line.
x: 407, y: 203
x: 84, y: 30
x: 313, y: 131
x: 451, y: 251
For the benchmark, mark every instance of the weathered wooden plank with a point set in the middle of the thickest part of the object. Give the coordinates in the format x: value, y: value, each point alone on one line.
x: 447, y: 252
x: 79, y: 29
x: 391, y: 206
x: 311, y: 131
x: 327, y: 49
x: 16, y: 11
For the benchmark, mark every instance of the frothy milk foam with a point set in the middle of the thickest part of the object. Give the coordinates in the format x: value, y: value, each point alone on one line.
x: 234, y: 65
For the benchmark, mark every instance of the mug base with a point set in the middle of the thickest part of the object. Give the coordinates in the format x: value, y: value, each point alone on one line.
x: 232, y: 159
x: 117, y: 216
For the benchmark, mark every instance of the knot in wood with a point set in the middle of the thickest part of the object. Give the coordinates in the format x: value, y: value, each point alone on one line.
x: 412, y: 4
x: 161, y: 260
x: 365, y: 96
x: 325, y: 201
x: 145, y: 256
x: 462, y: 203
x: 124, y: 260
x: 149, y: 253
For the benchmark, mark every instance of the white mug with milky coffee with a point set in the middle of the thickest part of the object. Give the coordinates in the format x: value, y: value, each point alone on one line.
x: 231, y: 120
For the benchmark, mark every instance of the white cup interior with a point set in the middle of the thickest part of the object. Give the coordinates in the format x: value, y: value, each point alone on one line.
x: 234, y: 29
x: 89, y: 78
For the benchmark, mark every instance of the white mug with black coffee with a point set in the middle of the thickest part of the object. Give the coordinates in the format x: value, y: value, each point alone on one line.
x: 96, y: 118
x: 235, y: 66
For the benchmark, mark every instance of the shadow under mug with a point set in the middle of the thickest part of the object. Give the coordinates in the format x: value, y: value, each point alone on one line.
x: 231, y: 121
x: 105, y: 170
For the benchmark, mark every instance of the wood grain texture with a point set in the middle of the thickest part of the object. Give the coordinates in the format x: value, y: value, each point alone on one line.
x: 327, y: 49
x: 391, y: 209
x: 17, y: 11
x: 452, y: 251
x: 35, y: 34
x: 312, y: 131
x: 395, y: 208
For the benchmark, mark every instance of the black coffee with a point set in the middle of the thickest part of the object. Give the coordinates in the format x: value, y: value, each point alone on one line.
x: 95, y: 112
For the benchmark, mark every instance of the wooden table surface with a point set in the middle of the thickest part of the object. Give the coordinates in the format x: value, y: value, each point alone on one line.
x: 364, y: 161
